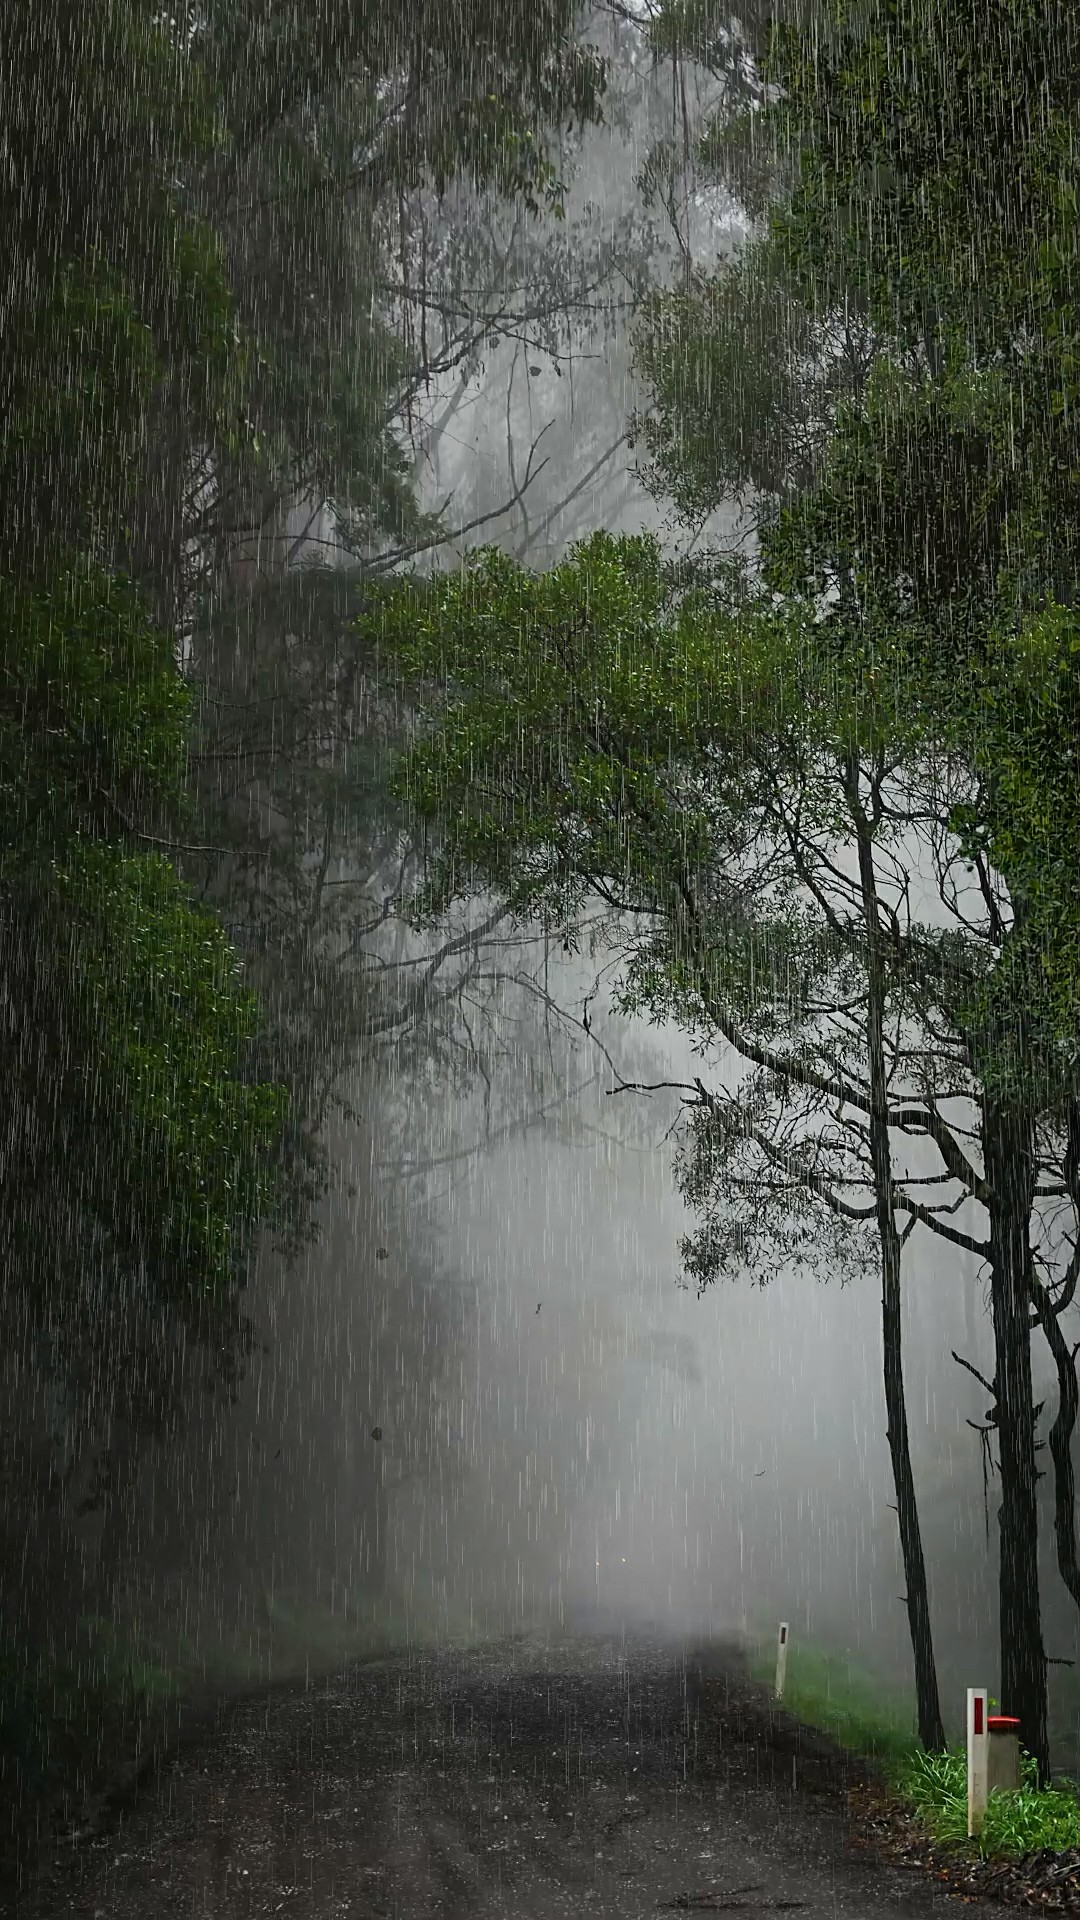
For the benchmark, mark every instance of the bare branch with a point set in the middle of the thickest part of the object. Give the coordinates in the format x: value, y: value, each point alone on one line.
x: 966, y: 1364
x: 929, y: 1121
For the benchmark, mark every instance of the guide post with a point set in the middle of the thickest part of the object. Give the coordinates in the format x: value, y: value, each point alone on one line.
x: 781, y: 1658
x: 978, y: 1757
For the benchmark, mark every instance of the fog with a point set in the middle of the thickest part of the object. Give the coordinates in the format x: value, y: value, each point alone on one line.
x: 483, y: 1400
x: 569, y: 1438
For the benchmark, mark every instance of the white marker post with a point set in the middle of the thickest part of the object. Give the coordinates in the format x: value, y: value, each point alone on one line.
x: 781, y: 1658
x: 978, y: 1756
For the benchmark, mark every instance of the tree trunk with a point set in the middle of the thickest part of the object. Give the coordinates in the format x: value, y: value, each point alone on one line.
x: 1009, y: 1155
x: 1061, y: 1434
x: 931, y: 1729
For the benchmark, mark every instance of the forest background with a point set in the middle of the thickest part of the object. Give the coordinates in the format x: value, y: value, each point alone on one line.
x: 277, y: 864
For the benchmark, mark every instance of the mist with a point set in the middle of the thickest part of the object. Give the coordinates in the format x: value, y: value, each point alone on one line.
x: 569, y: 1438
x: 481, y: 1400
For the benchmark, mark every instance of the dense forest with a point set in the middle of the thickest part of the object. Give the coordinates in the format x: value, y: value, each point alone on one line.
x: 743, y: 648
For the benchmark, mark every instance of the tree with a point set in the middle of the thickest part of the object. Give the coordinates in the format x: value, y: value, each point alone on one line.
x: 689, y: 765
x: 172, y: 364
x: 140, y: 1148
x: 127, y: 1028
x: 951, y: 501
x: 924, y: 189
x: 958, y: 480
x: 467, y: 273
x: 882, y: 538
x: 925, y: 184
x: 744, y: 381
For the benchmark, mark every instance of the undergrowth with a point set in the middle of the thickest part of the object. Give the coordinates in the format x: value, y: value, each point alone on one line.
x: 1033, y: 1817
x: 827, y: 1691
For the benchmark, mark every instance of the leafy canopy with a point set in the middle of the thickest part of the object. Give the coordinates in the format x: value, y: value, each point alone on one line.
x: 126, y: 1028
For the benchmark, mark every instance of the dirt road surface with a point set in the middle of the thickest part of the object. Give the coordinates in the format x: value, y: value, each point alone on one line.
x: 518, y: 1782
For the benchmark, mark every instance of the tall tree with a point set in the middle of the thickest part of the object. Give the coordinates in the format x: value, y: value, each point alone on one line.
x: 682, y: 762
x: 919, y: 176
x: 108, y: 280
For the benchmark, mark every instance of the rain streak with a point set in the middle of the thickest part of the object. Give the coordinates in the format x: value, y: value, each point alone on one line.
x: 540, y: 957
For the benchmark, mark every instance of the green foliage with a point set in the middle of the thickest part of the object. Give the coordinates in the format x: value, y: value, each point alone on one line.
x: 742, y: 386
x: 912, y: 433
x: 127, y: 1030
x: 935, y: 1785
x: 114, y: 288
x: 929, y: 535
x: 573, y: 699
x: 84, y: 368
x: 1023, y: 719
x: 155, y: 1015
x: 937, y: 164
x: 93, y: 715
x: 924, y: 482
x: 937, y: 176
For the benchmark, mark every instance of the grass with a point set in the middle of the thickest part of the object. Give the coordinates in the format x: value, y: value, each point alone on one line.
x: 935, y: 1785
x: 827, y: 1691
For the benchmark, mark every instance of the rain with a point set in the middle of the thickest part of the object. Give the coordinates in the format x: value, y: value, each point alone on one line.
x: 540, y: 933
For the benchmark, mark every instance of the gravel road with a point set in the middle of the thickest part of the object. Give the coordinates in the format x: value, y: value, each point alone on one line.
x: 517, y: 1782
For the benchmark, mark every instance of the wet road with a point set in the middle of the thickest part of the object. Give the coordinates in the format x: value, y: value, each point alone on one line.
x: 519, y: 1782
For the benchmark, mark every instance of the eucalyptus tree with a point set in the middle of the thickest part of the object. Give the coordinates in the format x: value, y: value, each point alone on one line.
x: 936, y: 177
x: 862, y: 478
x: 683, y: 766
x: 918, y: 174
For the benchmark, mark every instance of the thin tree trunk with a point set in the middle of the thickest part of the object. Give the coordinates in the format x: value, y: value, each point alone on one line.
x: 1009, y: 1155
x: 931, y: 1728
x: 1061, y: 1433
x: 1060, y: 1437
x: 928, y: 1703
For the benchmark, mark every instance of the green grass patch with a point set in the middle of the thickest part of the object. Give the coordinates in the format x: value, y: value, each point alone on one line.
x: 858, y: 1711
x: 866, y: 1716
